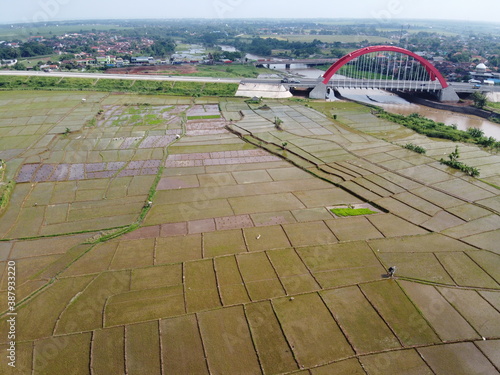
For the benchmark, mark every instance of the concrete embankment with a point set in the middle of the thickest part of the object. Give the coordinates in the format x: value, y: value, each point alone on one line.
x: 493, y: 97
x: 261, y: 90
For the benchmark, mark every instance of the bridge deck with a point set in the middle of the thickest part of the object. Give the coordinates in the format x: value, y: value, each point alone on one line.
x: 302, y: 61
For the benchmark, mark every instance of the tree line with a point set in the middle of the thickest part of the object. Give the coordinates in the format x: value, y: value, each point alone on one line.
x: 29, y: 49
x: 265, y: 46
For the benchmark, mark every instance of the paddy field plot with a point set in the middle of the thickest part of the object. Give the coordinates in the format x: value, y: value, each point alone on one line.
x: 178, y: 235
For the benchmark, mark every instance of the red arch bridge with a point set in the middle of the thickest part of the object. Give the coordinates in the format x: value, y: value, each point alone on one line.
x: 384, y: 67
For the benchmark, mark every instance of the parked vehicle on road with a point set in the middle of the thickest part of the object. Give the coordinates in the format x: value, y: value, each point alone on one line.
x: 290, y: 80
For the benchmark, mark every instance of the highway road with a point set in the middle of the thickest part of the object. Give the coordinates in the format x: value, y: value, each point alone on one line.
x: 304, y: 83
x: 120, y: 76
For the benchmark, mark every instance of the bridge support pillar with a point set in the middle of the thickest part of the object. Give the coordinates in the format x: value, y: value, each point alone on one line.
x: 319, y: 92
x: 448, y: 95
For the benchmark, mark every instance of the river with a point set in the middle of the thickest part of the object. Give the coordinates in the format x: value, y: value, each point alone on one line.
x: 462, y: 121
x: 299, y: 69
x: 296, y: 69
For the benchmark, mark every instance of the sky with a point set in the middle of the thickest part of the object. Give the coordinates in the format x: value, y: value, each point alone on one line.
x: 31, y: 11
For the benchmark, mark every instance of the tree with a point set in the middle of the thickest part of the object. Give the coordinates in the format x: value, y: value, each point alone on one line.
x: 209, y: 39
x: 337, y: 52
x: 216, y: 56
x: 162, y: 47
x: 19, y: 66
x: 475, y: 132
x: 231, y: 55
x: 454, y: 155
x: 479, y: 99
x: 66, y: 56
x: 30, y: 49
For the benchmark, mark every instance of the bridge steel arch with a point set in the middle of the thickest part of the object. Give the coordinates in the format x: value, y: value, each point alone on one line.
x: 431, y: 69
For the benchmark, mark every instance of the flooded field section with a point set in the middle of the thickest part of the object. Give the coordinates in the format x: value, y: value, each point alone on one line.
x: 165, y: 235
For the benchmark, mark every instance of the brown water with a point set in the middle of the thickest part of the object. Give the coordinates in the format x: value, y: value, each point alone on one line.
x: 462, y: 121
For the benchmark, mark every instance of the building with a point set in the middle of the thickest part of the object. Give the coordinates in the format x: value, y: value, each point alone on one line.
x: 87, y: 61
x: 49, y: 68
x: 142, y: 60
x: 9, y: 62
x: 103, y: 60
x: 36, y: 38
x: 481, y: 74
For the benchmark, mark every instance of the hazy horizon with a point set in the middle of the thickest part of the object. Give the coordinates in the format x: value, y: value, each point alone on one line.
x: 33, y: 11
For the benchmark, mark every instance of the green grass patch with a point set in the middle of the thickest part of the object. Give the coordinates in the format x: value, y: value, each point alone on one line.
x: 77, y: 83
x: 106, y: 84
x: 494, y: 106
x: 152, y: 86
x: 140, y: 115
x: 32, y: 61
x: 230, y: 71
x: 415, y: 148
x: 14, y: 82
x: 35, y: 82
x: 6, y: 188
x: 5, y: 193
x: 11, y: 82
x: 195, y: 89
x: 490, y: 184
x: 471, y: 171
x: 454, y: 163
x: 188, y: 88
x: 343, y: 212
x: 220, y: 89
x: 91, y: 123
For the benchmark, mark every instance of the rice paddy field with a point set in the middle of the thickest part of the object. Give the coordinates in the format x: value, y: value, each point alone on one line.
x: 178, y: 235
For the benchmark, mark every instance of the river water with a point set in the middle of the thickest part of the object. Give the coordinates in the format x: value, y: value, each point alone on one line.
x: 296, y: 69
x: 299, y: 69
x: 462, y: 121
